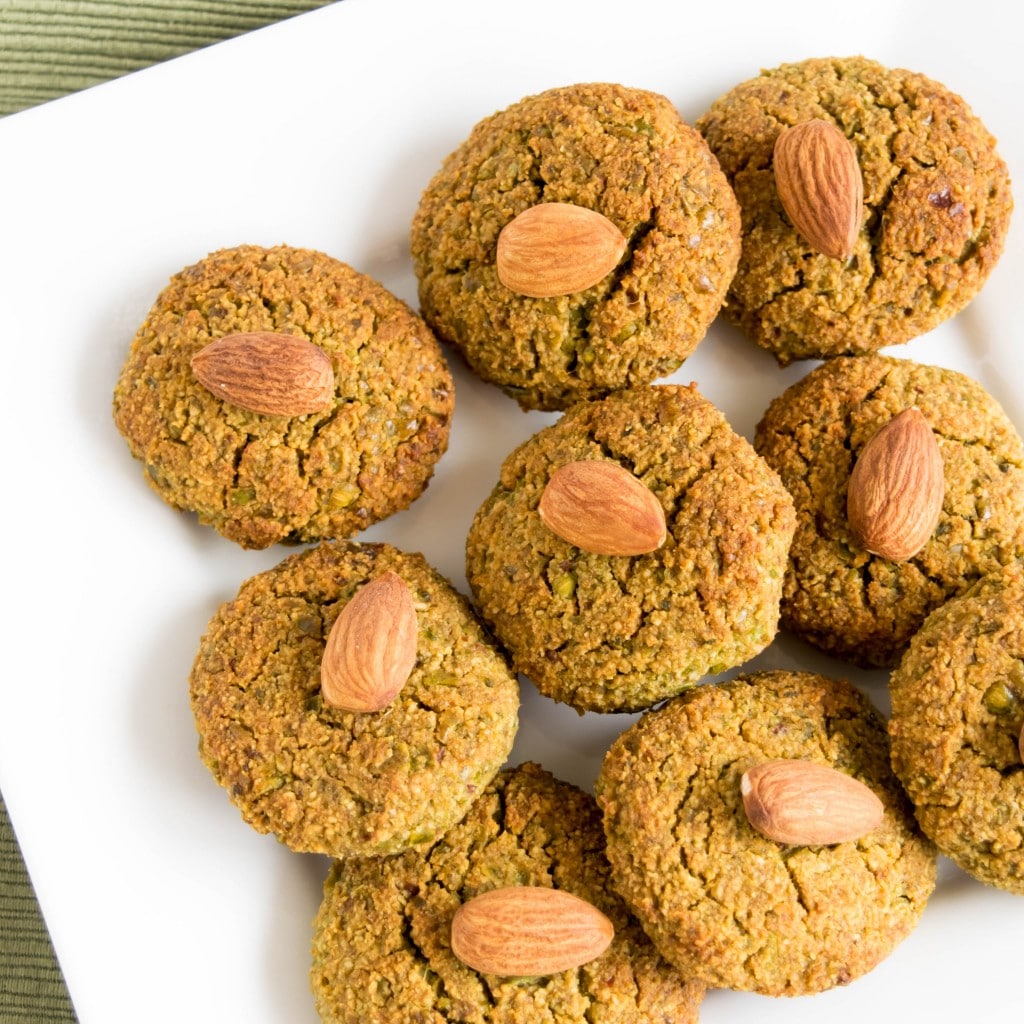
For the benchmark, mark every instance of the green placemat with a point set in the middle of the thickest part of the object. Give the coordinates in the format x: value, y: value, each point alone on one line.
x: 31, y: 986
x: 49, y: 49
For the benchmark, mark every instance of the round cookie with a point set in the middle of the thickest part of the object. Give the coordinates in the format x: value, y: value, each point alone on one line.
x: 863, y: 607
x: 618, y: 633
x: 937, y: 207
x: 722, y: 902
x: 623, y: 152
x: 344, y: 783
x: 259, y: 479
x: 381, y: 949
x: 957, y: 716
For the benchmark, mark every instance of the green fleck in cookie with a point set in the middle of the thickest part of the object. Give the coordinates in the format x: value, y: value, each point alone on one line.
x: 349, y: 783
x: 957, y: 716
x: 620, y: 631
x: 382, y: 949
x: 721, y: 901
x: 936, y: 208
x: 838, y: 596
x: 263, y: 474
x: 624, y: 154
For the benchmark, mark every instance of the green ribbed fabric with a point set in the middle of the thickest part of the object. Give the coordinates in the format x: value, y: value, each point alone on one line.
x: 49, y: 48
x: 31, y: 986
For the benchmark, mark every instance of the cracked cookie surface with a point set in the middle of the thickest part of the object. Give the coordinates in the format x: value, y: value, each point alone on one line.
x: 722, y: 902
x: 344, y: 783
x: 261, y: 479
x: 381, y: 949
x: 618, y: 633
x: 863, y: 607
x: 628, y: 155
x: 957, y: 716
x: 937, y: 206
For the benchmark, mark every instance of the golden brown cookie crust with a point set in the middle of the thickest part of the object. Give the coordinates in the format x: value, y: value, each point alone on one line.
x: 862, y: 607
x: 957, y: 716
x: 937, y: 207
x: 261, y: 479
x: 623, y: 152
x: 721, y: 901
x: 344, y: 783
x: 614, y: 633
x: 381, y: 950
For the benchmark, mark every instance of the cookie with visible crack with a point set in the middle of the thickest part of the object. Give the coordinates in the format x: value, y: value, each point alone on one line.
x: 957, y: 716
x: 261, y: 479
x: 381, y: 945
x: 623, y: 152
x: 345, y: 783
x: 862, y: 607
x: 620, y: 632
x: 937, y: 206
x: 722, y: 902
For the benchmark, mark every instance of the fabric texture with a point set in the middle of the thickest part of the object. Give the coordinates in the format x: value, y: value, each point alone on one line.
x: 48, y: 49
x: 31, y: 985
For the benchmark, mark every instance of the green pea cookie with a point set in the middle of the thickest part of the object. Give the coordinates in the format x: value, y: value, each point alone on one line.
x: 957, y: 716
x: 381, y: 945
x: 619, y: 632
x: 936, y: 208
x: 721, y: 901
x: 624, y: 153
x: 838, y: 596
x: 344, y: 783
x: 260, y: 479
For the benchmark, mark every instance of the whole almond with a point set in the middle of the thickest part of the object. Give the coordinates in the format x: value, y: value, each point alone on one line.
x: 603, y: 508
x: 557, y: 249
x: 371, y: 648
x: 894, y: 497
x: 275, y: 374
x: 803, y: 803
x: 528, y: 931
x: 820, y: 185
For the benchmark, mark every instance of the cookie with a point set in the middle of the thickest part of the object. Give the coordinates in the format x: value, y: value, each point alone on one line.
x: 957, y: 717
x: 381, y: 946
x: 260, y: 479
x: 722, y: 902
x: 837, y: 596
x: 614, y: 632
x: 338, y: 782
x: 624, y: 153
x: 936, y: 208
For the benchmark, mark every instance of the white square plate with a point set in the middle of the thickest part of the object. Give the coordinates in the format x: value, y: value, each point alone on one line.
x: 321, y: 132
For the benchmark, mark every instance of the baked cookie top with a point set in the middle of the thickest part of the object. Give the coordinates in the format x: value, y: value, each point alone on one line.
x: 346, y: 783
x: 615, y: 632
x: 936, y: 207
x: 624, y: 153
x: 720, y: 900
x: 839, y: 597
x: 259, y: 479
x: 381, y: 946
x: 957, y: 717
